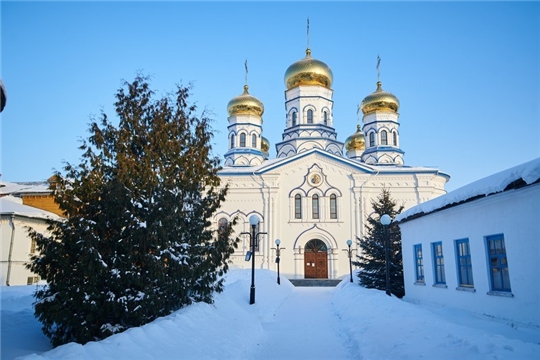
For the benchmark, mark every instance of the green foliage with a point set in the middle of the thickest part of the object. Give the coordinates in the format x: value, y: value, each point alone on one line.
x: 137, y: 242
x: 371, y: 260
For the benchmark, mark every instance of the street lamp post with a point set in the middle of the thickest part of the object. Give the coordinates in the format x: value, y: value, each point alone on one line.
x: 385, y: 221
x: 253, y: 221
x: 349, y: 243
x: 277, y: 259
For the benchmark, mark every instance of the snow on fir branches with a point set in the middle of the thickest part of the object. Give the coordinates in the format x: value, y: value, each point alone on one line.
x: 137, y: 241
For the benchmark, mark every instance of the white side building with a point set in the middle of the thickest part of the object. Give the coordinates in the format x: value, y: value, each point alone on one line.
x: 478, y: 248
x: 17, y: 246
x: 312, y: 196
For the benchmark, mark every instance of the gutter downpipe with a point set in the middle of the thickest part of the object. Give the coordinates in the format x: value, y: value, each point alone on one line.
x: 12, y: 221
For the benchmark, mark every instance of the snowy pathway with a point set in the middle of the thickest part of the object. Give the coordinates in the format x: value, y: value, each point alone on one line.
x: 305, y: 326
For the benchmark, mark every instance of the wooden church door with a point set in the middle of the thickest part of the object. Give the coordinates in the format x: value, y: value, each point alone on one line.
x: 316, y: 260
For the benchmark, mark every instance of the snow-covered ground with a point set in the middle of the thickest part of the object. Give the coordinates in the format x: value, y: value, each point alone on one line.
x: 346, y: 322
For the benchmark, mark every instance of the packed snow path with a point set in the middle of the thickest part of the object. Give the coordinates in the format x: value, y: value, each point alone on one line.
x: 305, y: 326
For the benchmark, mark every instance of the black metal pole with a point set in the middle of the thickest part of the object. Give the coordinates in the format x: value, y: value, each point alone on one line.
x: 350, y: 262
x: 387, y: 259
x: 252, y: 290
x: 278, y: 266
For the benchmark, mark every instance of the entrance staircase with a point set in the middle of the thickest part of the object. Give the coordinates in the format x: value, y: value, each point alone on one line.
x: 315, y: 282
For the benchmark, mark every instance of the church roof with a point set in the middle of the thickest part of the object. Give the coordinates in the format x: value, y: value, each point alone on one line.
x: 7, y: 188
x: 274, y: 164
x: 14, y: 205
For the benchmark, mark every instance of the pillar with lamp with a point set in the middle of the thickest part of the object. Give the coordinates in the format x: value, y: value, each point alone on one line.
x: 349, y: 253
x: 250, y: 255
x: 278, y: 253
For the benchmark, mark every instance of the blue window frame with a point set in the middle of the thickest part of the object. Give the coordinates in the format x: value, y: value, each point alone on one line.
x: 254, y: 140
x: 438, y: 263
x: 498, y: 264
x: 294, y: 119
x: 419, y: 263
x: 232, y: 141
x: 372, y: 139
x: 464, y: 263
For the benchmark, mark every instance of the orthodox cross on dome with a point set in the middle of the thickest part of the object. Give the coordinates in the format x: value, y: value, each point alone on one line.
x: 378, y: 68
x: 245, y: 66
x: 308, y: 33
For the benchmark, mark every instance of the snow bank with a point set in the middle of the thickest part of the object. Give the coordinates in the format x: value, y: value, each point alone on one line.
x: 371, y: 324
x: 384, y: 327
x: 226, y: 329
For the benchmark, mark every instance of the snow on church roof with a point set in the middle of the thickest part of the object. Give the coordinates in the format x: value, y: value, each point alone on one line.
x: 528, y: 172
x: 14, y: 205
x: 7, y: 188
x: 374, y: 169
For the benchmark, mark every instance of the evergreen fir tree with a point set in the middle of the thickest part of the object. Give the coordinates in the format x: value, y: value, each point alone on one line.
x: 371, y: 260
x: 137, y: 241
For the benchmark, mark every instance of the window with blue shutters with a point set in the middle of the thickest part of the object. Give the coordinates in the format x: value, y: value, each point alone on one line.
x: 419, y: 263
x: 498, y: 264
x: 438, y: 263
x: 464, y: 263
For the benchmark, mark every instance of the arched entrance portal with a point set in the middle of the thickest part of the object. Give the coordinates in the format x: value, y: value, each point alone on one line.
x: 316, y: 260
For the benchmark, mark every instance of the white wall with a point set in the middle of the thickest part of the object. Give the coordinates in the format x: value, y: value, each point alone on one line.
x: 515, y: 214
x: 20, y: 248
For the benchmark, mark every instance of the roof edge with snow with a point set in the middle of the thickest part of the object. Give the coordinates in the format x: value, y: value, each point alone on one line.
x: 516, y: 177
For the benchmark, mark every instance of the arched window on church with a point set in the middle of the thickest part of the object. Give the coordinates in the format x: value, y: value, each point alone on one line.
x: 254, y: 140
x: 325, y: 118
x: 395, y: 138
x: 310, y: 116
x: 242, y: 140
x: 333, y: 206
x: 294, y: 119
x: 315, y: 206
x: 372, y: 139
x: 384, y: 137
x: 298, y: 207
x: 232, y: 141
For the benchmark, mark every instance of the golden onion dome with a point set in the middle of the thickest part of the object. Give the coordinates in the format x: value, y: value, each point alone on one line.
x: 245, y: 104
x: 380, y: 100
x: 356, y: 141
x: 308, y: 71
x: 265, y: 145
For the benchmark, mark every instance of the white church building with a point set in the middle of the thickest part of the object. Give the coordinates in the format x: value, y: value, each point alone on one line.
x: 317, y: 193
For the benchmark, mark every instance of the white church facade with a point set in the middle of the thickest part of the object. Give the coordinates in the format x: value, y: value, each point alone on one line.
x: 317, y: 193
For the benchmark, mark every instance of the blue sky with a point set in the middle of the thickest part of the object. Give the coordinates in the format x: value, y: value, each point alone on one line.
x: 467, y: 74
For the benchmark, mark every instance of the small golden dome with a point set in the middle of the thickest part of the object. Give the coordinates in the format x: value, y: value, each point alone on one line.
x: 265, y: 145
x: 356, y: 141
x: 308, y: 71
x: 245, y: 104
x: 380, y: 100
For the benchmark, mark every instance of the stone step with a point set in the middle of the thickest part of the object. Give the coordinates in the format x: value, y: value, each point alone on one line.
x: 315, y: 282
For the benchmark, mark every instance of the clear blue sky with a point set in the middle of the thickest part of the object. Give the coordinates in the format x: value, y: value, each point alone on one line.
x: 467, y: 74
